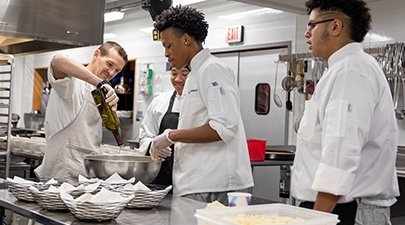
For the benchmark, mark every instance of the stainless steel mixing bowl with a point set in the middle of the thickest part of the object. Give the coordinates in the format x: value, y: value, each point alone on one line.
x: 143, y: 168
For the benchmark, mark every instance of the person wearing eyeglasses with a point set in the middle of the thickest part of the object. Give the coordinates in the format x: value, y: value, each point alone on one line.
x: 73, y: 126
x: 162, y: 114
x: 347, y: 140
x: 211, y: 155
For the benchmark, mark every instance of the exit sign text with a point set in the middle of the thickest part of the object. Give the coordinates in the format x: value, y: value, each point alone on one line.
x: 234, y: 34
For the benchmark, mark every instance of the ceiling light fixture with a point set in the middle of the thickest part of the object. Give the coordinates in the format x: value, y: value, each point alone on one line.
x: 374, y: 37
x: 109, y: 36
x: 147, y: 30
x: 186, y: 2
x: 249, y: 13
x: 113, y: 15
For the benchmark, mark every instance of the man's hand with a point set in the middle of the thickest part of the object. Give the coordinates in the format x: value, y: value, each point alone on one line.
x: 160, y: 147
x: 111, y: 96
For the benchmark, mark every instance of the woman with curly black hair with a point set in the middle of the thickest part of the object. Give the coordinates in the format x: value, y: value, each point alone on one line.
x: 211, y: 156
x: 347, y: 140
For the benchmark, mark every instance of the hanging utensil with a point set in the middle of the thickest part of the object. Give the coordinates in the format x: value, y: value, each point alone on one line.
x: 276, y: 98
x: 399, y: 115
x: 299, y: 78
x: 288, y: 82
x: 310, y: 84
x: 288, y: 104
x: 401, y: 74
x: 402, y: 116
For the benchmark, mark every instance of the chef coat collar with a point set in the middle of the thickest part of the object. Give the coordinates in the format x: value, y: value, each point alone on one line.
x: 199, y: 58
x: 349, y: 49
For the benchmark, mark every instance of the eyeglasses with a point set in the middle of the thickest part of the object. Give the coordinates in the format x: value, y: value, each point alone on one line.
x: 312, y: 25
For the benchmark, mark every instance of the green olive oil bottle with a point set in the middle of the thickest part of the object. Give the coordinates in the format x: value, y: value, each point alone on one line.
x: 108, y: 115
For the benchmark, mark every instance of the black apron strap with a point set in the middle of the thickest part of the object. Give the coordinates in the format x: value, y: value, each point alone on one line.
x: 169, y: 121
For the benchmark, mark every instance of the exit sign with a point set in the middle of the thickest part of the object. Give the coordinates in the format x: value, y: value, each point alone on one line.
x: 234, y: 34
x: 156, y: 35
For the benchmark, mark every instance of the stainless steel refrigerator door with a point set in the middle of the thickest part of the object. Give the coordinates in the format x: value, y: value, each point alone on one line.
x: 252, y: 68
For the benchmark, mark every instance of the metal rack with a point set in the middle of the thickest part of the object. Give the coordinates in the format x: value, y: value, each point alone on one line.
x: 382, y: 54
x: 6, y: 71
x: 297, y: 56
x: 390, y: 57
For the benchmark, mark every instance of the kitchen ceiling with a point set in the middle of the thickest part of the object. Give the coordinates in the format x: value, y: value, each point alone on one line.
x: 122, y: 4
x: 292, y: 6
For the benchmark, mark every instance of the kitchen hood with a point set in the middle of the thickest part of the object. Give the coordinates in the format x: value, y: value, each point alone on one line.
x: 28, y: 26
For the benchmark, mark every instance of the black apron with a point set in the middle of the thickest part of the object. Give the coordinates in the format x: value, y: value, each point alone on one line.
x: 169, y: 121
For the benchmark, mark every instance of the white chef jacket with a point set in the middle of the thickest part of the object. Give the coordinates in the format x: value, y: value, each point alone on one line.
x: 72, y: 129
x: 153, y: 117
x: 211, y: 95
x: 347, y: 140
x: 65, y: 101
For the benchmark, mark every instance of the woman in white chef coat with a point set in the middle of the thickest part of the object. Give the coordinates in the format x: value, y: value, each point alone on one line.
x: 73, y: 127
x: 162, y: 114
x: 347, y: 139
x: 211, y: 155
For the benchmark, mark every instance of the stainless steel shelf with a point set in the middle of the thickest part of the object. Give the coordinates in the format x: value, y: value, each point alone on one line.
x: 6, y: 71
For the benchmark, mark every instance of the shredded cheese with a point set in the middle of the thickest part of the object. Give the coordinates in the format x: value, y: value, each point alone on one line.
x: 259, y: 219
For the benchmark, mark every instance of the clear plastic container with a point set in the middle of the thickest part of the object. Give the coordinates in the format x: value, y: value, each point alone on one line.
x: 310, y: 217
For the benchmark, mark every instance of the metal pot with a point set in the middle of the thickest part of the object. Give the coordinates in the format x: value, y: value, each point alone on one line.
x: 143, y: 168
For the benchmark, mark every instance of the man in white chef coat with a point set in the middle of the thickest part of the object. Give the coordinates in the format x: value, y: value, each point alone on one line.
x: 211, y: 156
x: 73, y: 126
x: 162, y: 114
x: 347, y: 139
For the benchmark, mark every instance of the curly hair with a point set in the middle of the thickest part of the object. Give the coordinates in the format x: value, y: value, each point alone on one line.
x: 357, y: 10
x: 184, y: 18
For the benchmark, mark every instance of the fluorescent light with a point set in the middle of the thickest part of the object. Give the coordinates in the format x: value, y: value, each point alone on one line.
x: 373, y: 37
x: 109, y: 36
x: 186, y: 2
x: 147, y: 30
x: 113, y: 15
x: 255, y: 12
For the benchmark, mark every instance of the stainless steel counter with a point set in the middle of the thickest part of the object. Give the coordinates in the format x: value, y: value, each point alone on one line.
x: 272, y: 163
x: 172, y: 211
